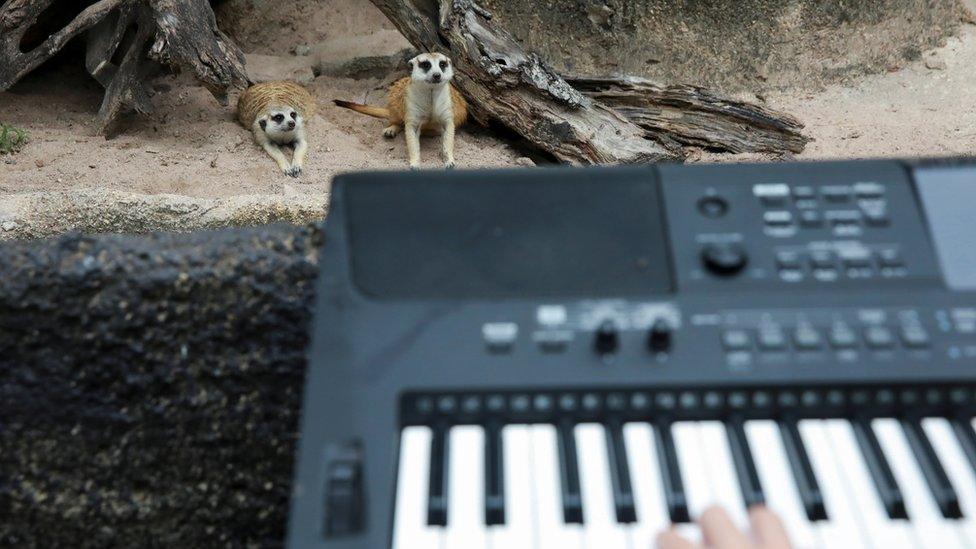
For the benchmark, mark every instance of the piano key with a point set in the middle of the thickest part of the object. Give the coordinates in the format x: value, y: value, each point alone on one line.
x: 438, y: 475
x: 569, y: 475
x: 851, y: 462
x: 966, y: 438
x: 466, y: 489
x: 935, y: 475
x: 745, y: 465
x: 880, y: 471
x: 694, y: 472
x: 929, y: 524
x: 671, y: 477
x: 721, y: 472
x: 651, y: 506
x: 776, y: 476
x: 552, y: 530
x: 843, y: 526
x: 806, y: 481
x: 962, y: 476
x: 520, y: 501
x: 410, y: 528
x: 494, y: 477
x: 600, y: 526
x: 623, y: 494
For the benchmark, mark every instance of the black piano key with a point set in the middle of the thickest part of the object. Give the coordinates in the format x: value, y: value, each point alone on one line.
x: 674, y: 488
x: 935, y: 476
x: 623, y: 494
x: 884, y: 478
x: 569, y: 475
x: 745, y: 467
x: 494, y: 477
x: 966, y: 437
x: 437, y: 481
x: 806, y: 481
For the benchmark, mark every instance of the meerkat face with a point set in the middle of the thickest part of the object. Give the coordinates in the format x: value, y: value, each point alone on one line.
x: 281, y: 123
x: 431, y: 68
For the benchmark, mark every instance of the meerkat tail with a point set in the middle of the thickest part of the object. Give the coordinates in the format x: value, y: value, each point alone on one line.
x: 368, y: 110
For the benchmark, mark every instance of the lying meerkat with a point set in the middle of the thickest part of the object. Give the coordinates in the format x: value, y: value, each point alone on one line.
x: 276, y: 113
x: 425, y: 102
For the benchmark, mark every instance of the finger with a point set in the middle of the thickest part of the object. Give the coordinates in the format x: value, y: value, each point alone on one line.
x: 669, y: 539
x: 719, y: 532
x: 768, y: 529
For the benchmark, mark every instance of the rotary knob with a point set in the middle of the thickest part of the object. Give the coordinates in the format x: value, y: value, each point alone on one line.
x: 659, y: 338
x: 606, y: 340
x: 724, y: 259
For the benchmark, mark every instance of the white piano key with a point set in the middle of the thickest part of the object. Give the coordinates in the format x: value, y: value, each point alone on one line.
x: 930, y: 526
x: 882, y: 531
x: 960, y: 473
x: 520, y: 521
x: 466, y: 489
x: 721, y: 472
x: 694, y: 473
x: 553, y: 532
x: 843, y: 525
x: 779, y: 487
x: 645, y: 476
x: 410, y: 528
x: 600, y: 527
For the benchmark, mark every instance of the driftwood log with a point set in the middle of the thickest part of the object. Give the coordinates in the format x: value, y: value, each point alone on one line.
x: 583, y: 120
x: 124, y: 40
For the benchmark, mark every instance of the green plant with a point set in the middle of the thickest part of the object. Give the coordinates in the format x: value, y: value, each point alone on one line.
x: 11, y: 139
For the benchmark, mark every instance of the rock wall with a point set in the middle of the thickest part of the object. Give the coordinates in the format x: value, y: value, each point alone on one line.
x: 150, y: 387
x: 746, y: 45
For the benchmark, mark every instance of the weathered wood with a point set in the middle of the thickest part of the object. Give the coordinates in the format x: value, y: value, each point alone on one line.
x: 183, y: 34
x: 696, y: 116
x: 506, y: 84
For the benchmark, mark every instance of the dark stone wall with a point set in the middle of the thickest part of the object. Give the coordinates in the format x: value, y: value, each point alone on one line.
x: 150, y: 387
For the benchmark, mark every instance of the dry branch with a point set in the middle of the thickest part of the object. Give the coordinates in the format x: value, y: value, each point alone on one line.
x: 587, y: 120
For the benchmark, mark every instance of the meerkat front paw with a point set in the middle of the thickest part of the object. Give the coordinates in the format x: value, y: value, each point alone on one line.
x: 294, y: 171
x: 391, y: 131
x: 449, y: 165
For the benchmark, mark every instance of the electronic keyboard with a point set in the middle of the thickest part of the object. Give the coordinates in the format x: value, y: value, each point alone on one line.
x: 580, y: 358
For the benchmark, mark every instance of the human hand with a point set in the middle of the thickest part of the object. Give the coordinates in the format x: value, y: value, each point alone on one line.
x: 718, y: 532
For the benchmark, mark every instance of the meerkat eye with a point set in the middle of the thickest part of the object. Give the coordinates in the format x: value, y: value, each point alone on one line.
x: 278, y: 118
x: 443, y: 65
x: 294, y: 115
x: 425, y: 65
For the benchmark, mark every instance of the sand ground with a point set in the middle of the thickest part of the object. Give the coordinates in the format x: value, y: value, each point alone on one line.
x: 192, y: 147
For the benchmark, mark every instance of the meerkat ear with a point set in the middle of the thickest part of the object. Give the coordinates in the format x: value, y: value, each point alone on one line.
x: 263, y: 123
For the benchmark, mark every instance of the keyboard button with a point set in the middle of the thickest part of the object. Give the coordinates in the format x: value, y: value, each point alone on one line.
x: 672, y: 478
x: 884, y: 480
x: 807, y: 338
x: 868, y: 189
x: 890, y: 258
x: 778, y: 218
x: 745, y: 466
x: 841, y: 527
x: 931, y: 467
x: 601, y: 528
x: 494, y: 477
x: 652, y: 508
x: 804, y: 192
x: 623, y: 494
x: 552, y: 530
x: 806, y: 482
x: 879, y: 337
x: 721, y: 472
x: 929, y: 524
x: 438, y: 475
x: 736, y: 340
x: 775, y: 472
x: 836, y: 193
x: 849, y: 461
x: 466, y: 488
x: 569, y: 475
x: 410, y: 528
x: 789, y: 260
x: 822, y: 259
x: 520, y: 511
x: 771, y: 194
x: 915, y: 337
x: 811, y: 219
x: 962, y: 476
x: 842, y: 337
x: 771, y: 338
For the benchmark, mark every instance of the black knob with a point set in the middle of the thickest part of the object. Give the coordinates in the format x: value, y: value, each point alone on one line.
x: 659, y: 338
x: 606, y: 339
x: 725, y: 259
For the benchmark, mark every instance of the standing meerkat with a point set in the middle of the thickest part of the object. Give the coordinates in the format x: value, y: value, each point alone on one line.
x: 425, y: 102
x: 276, y: 113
